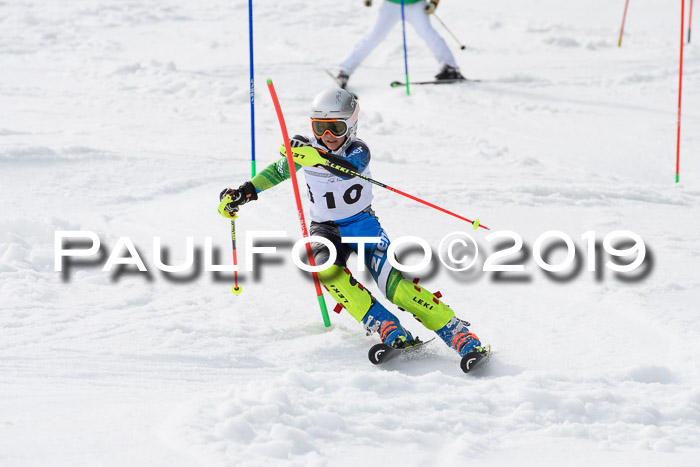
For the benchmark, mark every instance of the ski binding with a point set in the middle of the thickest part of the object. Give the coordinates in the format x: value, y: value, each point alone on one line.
x: 382, y: 353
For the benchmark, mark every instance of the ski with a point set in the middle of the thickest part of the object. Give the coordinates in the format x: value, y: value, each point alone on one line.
x: 382, y: 353
x: 396, y: 84
x: 475, y: 359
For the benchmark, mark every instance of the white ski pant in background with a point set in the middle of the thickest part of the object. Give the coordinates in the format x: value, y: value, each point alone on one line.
x: 389, y: 15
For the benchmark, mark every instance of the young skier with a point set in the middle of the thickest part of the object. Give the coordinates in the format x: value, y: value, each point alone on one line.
x: 416, y: 13
x: 341, y: 207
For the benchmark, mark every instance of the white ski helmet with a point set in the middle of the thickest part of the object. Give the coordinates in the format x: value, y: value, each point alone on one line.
x: 335, y: 111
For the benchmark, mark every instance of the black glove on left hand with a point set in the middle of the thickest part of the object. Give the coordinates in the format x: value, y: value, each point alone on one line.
x: 242, y: 195
x: 298, y: 141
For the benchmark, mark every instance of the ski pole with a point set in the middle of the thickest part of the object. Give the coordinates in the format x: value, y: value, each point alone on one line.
x: 622, y: 28
x: 306, y: 151
x: 252, y: 88
x: 405, y: 52
x: 461, y: 46
x: 297, y: 197
x: 476, y: 223
x: 235, y: 289
x: 690, y: 19
x: 680, y: 87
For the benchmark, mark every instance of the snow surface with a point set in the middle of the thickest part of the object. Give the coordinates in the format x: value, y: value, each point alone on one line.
x: 127, y: 118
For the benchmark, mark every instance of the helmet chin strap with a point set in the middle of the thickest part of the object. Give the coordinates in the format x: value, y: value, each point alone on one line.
x: 352, y: 134
x: 349, y: 137
x: 345, y: 144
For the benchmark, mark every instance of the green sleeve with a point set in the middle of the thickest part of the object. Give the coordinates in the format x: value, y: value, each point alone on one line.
x: 273, y: 174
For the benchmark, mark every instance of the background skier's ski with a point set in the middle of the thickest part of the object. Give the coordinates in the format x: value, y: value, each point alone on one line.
x: 396, y: 84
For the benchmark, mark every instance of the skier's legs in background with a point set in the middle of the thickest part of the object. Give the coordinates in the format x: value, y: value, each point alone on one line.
x: 389, y: 15
x: 349, y: 293
x: 420, y: 21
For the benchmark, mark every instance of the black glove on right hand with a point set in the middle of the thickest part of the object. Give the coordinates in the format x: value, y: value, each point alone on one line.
x: 368, y: 2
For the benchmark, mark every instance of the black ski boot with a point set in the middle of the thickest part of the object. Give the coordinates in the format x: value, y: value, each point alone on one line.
x: 450, y: 73
x: 342, y: 79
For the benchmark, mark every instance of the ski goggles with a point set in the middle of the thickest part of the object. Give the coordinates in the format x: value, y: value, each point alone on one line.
x: 335, y: 127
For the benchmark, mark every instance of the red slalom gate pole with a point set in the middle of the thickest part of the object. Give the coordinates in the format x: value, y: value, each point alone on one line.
x: 622, y: 28
x: 297, y: 197
x: 680, y: 94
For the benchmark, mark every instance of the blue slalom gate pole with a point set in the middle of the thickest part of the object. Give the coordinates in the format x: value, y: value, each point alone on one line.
x: 252, y: 88
x: 405, y: 53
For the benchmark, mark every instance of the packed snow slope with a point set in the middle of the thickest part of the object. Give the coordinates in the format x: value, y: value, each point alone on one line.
x: 126, y: 119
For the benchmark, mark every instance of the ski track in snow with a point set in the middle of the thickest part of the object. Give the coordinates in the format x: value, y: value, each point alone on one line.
x: 127, y: 119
